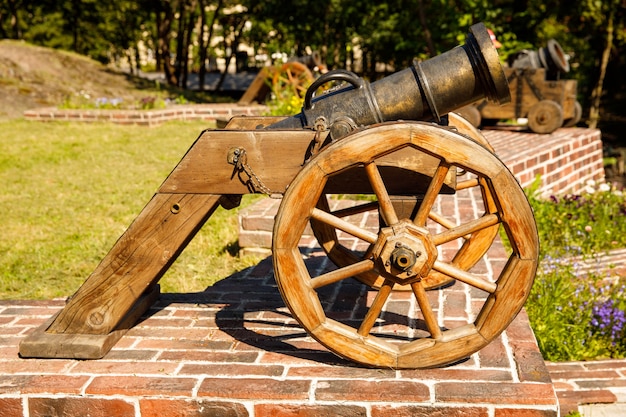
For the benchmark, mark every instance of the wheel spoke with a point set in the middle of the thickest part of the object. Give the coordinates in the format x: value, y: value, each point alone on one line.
x: 441, y: 220
x: 427, y: 311
x: 341, y: 224
x: 462, y: 185
x: 375, y: 309
x: 342, y: 273
x: 465, y: 276
x: 358, y: 209
x: 431, y: 194
x: 386, y: 207
x: 466, y: 229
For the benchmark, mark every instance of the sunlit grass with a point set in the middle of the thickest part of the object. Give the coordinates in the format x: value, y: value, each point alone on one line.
x: 69, y: 190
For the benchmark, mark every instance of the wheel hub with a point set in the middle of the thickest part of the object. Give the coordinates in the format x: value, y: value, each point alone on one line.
x: 404, y: 252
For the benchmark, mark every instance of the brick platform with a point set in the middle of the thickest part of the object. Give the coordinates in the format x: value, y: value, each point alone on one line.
x: 565, y: 159
x: 234, y: 350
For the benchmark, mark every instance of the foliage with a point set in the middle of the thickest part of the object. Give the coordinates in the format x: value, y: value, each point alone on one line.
x: 71, y: 189
x: 593, y: 221
x: 392, y: 33
x: 579, y: 313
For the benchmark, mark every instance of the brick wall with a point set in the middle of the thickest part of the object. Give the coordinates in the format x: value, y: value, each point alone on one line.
x: 146, y: 117
x: 565, y: 159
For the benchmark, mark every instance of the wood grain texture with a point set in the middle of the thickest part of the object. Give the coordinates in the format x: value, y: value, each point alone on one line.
x: 137, y: 260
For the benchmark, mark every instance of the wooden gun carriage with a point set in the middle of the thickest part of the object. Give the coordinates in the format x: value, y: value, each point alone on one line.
x: 390, y: 139
x: 538, y: 94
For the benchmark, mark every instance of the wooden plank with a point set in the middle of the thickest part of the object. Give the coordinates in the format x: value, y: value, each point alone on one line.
x: 257, y: 90
x: 41, y: 344
x: 275, y: 157
x: 136, y: 262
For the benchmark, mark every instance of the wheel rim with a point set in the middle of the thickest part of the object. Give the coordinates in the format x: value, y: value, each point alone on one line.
x: 474, y: 246
x: 301, y: 287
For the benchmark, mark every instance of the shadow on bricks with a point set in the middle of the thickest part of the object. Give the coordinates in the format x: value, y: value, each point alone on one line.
x: 249, y: 314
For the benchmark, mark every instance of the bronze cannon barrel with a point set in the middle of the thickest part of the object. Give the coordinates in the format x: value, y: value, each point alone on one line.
x: 425, y: 91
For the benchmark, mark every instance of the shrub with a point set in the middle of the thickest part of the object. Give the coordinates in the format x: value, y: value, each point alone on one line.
x: 578, y: 314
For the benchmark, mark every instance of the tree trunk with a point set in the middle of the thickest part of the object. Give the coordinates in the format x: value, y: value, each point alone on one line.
x: 427, y: 35
x: 205, y: 46
x: 202, y: 47
x: 180, y: 40
x: 596, y: 94
x: 187, y: 43
x: 164, y: 43
x: 233, y: 51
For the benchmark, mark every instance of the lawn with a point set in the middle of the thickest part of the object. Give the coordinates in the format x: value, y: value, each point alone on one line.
x: 69, y: 190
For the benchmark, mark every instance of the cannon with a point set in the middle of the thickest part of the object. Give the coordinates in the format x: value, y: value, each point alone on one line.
x: 393, y: 141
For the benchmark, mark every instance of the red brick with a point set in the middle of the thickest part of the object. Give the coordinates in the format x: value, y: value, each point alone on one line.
x: 588, y: 396
x: 52, y: 384
x: 190, y: 408
x: 208, y: 356
x: 140, y: 355
x: 495, y: 393
x: 607, y: 364
x: 455, y: 374
x: 339, y: 372
x: 124, y: 368
x: 254, y: 388
x: 286, y: 410
x: 360, y: 390
x: 524, y: 412
x: 11, y: 407
x: 426, y: 411
x: 585, y: 374
x: 494, y: 355
x: 231, y: 369
x: 160, y: 333
x: 167, y: 344
x: 35, y: 366
x: 137, y: 385
x: 73, y: 406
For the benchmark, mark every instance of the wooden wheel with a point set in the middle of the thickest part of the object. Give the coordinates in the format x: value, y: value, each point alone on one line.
x: 474, y: 245
x: 404, y: 251
x: 545, y: 117
x: 292, y: 76
x: 578, y: 113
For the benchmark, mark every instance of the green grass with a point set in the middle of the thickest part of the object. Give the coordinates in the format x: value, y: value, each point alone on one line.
x: 69, y: 190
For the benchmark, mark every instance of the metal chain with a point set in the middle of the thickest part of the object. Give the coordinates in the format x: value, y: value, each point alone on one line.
x: 254, y: 182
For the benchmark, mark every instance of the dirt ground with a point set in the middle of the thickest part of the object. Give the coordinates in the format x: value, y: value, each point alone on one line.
x: 32, y: 76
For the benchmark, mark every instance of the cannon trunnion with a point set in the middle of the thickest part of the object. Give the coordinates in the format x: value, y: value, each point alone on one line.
x: 391, y: 140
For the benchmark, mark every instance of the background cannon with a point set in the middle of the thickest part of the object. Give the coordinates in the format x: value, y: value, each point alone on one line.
x: 347, y: 140
x: 537, y: 92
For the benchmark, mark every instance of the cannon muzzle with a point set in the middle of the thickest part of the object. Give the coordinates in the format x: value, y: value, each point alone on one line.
x: 551, y: 58
x: 425, y: 91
